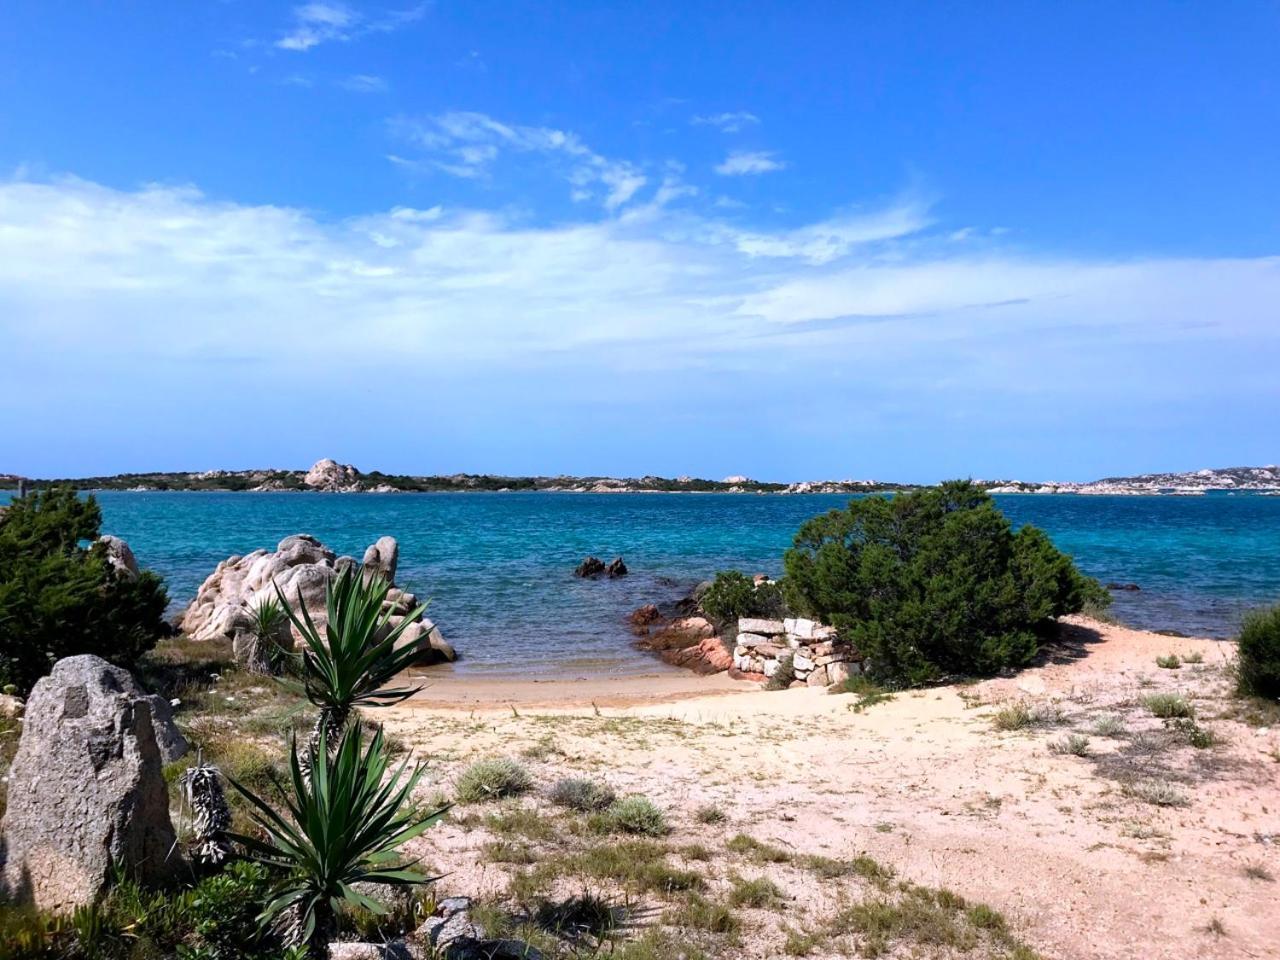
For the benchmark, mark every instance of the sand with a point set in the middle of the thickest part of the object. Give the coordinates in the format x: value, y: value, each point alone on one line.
x: 925, y: 784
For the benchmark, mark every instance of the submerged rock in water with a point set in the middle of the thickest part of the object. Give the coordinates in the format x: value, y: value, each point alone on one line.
x: 645, y: 617
x: 86, y: 793
x: 301, y: 568
x: 590, y: 568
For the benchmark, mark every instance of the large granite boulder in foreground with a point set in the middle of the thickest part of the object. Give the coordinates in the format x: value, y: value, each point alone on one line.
x: 86, y: 792
x: 301, y: 566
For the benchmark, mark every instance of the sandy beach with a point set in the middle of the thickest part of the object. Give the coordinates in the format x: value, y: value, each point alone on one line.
x: 1141, y: 845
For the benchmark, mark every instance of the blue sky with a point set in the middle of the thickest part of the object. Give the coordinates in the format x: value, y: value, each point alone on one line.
x: 901, y: 241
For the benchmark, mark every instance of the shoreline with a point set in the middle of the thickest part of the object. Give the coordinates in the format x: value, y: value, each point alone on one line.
x: 462, y: 692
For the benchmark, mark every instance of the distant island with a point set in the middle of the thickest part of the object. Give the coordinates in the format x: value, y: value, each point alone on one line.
x: 329, y: 476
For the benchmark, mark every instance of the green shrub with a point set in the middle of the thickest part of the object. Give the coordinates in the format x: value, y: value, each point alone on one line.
x: 217, y: 919
x: 492, y: 780
x: 1171, y: 662
x: 60, y: 598
x: 582, y: 795
x: 638, y: 814
x: 1167, y: 705
x: 733, y: 594
x: 933, y: 583
x: 1258, y: 654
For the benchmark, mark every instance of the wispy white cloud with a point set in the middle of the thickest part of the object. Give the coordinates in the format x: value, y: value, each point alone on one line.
x: 333, y: 21
x: 364, y: 83
x: 749, y: 163
x: 727, y: 122
x: 831, y: 239
x: 877, y: 308
x: 466, y: 144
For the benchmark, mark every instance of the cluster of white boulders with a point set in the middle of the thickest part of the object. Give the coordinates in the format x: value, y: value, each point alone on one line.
x: 300, y: 569
x: 817, y: 655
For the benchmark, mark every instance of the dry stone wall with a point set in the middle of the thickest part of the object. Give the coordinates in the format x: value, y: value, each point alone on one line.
x: 817, y: 655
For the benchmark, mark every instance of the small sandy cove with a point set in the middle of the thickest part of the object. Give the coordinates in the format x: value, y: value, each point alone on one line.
x: 1137, y: 844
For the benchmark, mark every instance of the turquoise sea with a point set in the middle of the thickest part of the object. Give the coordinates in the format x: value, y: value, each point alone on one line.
x: 498, y: 567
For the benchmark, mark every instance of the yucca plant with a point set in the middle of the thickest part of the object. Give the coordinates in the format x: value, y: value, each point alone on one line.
x: 344, y: 826
x: 351, y: 663
x: 265, y: 652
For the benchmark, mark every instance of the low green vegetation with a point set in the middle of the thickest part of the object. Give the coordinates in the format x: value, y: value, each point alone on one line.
x: 1108, y: 725
x: 638, y: 815
x: 1076, y: 744
x: 1158, y: 793
x: 933, y: 583
x: 733, y: 594
x: 1258, y: 655
x: 1170, y: 662
x: 709, y: 814
x: 783, y: 676
x: 1168, y: 705
x: 59, y: 598
x: 492, y: 780
x: 215, y: 919
x: 1015, y: 716
x: 582, y: 795
x: 756, y: 892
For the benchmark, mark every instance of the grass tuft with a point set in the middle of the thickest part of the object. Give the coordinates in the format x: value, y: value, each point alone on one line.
x: 710, y: 814
x: 582, y: 795
x: 492, y: 780
x: 639, y: 815
x: 1159, y: 793
x: 1168, y: 705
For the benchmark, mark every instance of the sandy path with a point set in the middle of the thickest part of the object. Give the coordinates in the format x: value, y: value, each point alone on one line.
x: 925, y: 784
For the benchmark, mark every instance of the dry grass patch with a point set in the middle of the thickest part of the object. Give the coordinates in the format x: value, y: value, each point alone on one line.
x: 1159, y: 793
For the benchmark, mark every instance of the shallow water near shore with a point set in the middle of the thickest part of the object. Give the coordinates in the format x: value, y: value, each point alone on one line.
x: 498, y: 567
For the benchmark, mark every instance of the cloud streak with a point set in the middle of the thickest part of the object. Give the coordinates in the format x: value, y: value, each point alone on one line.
x: 749, y: 163
x: 466, y: 144
x: 332, y: 21
x: 727, y: 122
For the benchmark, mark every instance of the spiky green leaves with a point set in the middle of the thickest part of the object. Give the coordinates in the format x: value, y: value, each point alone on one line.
x: 350, y: 664
x: 344, y: 825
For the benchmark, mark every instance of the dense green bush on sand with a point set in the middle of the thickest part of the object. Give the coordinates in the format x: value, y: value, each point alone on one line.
x: 1258, y: 654
x: 59, y: 595
x: 933, y: 583
x: 733, y: 594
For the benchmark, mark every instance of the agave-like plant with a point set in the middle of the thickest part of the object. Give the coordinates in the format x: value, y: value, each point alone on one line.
x: 344, y: 826
x: 351, y: 664
x: 265, y: 653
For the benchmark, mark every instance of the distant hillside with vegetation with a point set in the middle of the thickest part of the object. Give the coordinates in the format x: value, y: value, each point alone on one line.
x: 332, y: 477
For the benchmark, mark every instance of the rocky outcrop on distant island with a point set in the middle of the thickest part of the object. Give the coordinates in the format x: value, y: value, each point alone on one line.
x: 330, y: 476
x: 86, y: 795
x: 1195, y: 483
x: 301, y: 567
